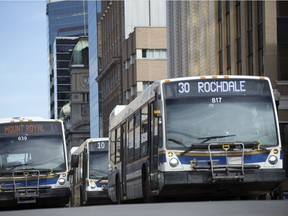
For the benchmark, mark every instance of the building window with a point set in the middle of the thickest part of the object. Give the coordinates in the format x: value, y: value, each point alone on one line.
x: 250, y: 37
x: 238, y: 37
x: 260, y: 11
x: 228, y: 38
x: 282, y: 39
x: 219, y: 10
x: 132, y: 59
x: 250, y: 64
x: 144, y: 53
x: 220, y: 44
x: 239, y: 68
x: 154, y: 53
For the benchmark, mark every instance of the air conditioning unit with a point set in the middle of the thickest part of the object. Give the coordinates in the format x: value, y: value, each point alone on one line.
x: 133, y: 91
x: 127, y: 95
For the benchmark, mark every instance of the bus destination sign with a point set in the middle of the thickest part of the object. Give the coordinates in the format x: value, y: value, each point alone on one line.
x: 98, y: 146
x: 19, y: 128
x: 209, y: 87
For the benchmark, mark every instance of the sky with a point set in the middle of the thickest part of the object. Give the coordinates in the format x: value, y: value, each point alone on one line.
x: 24, y: 87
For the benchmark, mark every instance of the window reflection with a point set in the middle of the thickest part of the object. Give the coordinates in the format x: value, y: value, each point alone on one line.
x: 246, y: 119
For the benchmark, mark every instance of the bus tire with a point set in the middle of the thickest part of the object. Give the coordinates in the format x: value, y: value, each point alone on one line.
x: 81, y: 197
x: 118, y: 191
x: 146, y: 186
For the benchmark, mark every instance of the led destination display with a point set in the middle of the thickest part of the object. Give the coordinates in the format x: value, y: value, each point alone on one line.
x: 98, y: 146
x: 20, y: 128
x: 207, y: 87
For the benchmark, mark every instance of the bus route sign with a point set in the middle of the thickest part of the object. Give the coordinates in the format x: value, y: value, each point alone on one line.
x: 20, y: 128
x: 98, y: 146
x: 210, y: 87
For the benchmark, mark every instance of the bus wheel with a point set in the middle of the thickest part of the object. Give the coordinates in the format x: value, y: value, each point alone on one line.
x: 146, y: 186
x: 118, y: 191
x: 81, y: 197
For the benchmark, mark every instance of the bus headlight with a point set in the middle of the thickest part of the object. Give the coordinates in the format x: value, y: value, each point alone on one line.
x: 61, y: 181
x: 92, y: 184
x: 273, y: 160
x: 173, y: 162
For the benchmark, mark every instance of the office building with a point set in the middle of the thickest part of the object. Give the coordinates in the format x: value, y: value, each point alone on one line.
x: 119, y: 76
x: 94, y: 8
x: 65, y: 19
x: 230, y: 38
x: 61, y: 86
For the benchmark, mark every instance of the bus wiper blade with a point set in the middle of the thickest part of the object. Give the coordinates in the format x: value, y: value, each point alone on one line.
x: 16, y: 165
x: 215, y: 137
x: 100, y: 179
x: 177, y: 142
x: 201, y: 146
x: 41, y: 170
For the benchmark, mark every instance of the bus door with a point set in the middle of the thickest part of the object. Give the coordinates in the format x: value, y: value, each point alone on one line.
x: 124, y: 158
x: 154, y: 138
x: 284, y: 142
x: 83, y: 177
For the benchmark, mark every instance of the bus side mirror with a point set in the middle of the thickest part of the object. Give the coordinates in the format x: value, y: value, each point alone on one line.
x: 157, y: 108
x: 74, y: 161
x: 71, y: 172
x: 285, y: 148
x: 85, y: 157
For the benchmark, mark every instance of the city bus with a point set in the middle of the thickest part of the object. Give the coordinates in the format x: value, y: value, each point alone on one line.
x: 196, y: 137
x: 33, y: 162
x: 89, y: 163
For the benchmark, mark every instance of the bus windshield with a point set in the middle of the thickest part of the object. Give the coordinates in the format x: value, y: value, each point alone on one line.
x: 229, y: 118
x: 32, y: 152
x: 98, y: 163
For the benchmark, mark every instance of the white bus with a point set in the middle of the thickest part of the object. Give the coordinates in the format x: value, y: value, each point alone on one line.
x: 90, y: 165
x: 33, y: 162
x: 196, y: 137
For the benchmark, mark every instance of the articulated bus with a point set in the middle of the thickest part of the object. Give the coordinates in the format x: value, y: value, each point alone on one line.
x: 33, y: 162
x: 196, y: 137
x: 89, y: 163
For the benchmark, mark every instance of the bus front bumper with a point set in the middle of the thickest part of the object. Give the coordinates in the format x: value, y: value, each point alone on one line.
x: 258, y: 181
x: 56, y: 196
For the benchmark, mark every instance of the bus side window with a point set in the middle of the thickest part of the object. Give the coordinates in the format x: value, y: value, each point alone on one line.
x: 112, y: 146
x: 118, y: 145
x: 144, y: 131
x: 285, y: 148
x: 137, y: 136
x: 131, y: 140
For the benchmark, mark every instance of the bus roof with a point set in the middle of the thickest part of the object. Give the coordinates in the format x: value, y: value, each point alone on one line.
x: 26, y: 119
x: 123, y: 111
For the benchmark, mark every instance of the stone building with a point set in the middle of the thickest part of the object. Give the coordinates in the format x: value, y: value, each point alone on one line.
x: 76, y: 114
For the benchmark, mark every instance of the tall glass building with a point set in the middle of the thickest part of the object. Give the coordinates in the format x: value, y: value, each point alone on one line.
x: 65, y: 19
x: 94, y: 8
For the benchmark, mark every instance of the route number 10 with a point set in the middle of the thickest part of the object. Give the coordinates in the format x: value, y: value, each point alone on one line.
x: 101, y: 145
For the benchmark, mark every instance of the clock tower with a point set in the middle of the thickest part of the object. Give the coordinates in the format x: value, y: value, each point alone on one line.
x: 79, y: 126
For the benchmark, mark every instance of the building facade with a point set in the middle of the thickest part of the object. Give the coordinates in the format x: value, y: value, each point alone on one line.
x: 229, y: 37
x: 191, y: 38
x: 94, y: 8
x: 61, y: 79
x: 118, y: 78
x: 77, y: 124
x: 65, y: 19
x: 144, y: 60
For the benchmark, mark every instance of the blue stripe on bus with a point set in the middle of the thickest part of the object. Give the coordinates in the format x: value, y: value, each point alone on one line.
x: 22, y: 183
x: 185, y: 159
